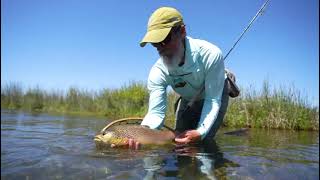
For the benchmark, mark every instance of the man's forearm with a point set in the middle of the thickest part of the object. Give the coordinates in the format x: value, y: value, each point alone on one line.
x: 209, y: 114
x: 153, y: 121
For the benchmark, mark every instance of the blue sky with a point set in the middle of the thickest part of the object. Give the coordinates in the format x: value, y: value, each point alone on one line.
x: 94, y: 44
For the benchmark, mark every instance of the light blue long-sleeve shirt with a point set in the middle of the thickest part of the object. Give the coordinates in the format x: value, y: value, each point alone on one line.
x: 203, y: 66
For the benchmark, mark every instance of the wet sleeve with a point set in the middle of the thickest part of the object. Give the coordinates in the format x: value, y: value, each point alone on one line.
x: 157, y: 101
x: 214, y: 83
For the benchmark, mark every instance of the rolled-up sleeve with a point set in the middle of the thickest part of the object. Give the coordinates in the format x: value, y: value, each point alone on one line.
x: 158, y: 99
x: 214, y: 83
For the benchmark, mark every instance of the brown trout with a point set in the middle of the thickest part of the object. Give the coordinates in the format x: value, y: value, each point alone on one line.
x: 118, y: 136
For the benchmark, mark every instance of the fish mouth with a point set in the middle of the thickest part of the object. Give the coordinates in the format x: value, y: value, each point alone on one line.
x: 97, y: 139
x: 102, y: 138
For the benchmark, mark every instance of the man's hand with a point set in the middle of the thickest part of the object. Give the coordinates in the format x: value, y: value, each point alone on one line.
x: 189, y: 136
x: 132, y: 144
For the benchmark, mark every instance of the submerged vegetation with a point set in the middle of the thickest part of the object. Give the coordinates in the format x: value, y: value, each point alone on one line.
x: 282, y: 108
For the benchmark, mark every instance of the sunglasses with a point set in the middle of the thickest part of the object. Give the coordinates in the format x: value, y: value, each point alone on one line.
x: 168, y: 39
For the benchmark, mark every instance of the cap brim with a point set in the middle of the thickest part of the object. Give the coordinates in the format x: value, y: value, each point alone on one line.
x: 155, y: 36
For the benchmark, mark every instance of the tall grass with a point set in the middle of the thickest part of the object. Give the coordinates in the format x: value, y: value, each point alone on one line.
x: 172, y: 97
x: 12, y: 96
x: 129, y: 100
x: 281, y: 108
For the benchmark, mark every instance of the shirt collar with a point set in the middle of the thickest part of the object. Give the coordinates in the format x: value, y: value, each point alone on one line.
x: 188, y: 61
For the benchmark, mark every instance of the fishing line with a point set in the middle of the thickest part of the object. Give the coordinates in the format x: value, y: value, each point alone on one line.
x: 249, y: 25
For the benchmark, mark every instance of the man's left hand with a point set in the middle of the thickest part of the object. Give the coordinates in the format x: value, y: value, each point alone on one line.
x: 189, y: 136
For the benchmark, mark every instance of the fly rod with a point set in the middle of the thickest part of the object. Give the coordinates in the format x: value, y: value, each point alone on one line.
x: 249, y: 25
x: 239, y: 38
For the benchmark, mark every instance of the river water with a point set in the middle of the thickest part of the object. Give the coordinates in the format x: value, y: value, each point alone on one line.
x: 43, y: 146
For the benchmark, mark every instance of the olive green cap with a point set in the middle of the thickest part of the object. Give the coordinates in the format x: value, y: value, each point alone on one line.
x: 160, y: 23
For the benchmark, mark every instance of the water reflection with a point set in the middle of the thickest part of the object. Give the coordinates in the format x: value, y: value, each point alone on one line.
x: 45, y: 146
x: 203, y: 160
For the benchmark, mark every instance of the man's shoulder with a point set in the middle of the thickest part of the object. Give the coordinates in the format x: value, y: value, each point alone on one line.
x: 205, y: 52
x: 159, y: 66
x: 203, y: 46
x: 158, y: 70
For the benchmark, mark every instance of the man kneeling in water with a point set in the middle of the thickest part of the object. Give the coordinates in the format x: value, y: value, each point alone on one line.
x: 187, y: 65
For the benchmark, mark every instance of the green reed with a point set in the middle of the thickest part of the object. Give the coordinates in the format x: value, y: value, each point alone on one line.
x: 281, y: 108
x: 11, y: 96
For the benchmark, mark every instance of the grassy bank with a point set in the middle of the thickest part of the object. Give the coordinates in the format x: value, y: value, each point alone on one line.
x: 282, y: 108
x: 129, y: 100
x: 279, y: 108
